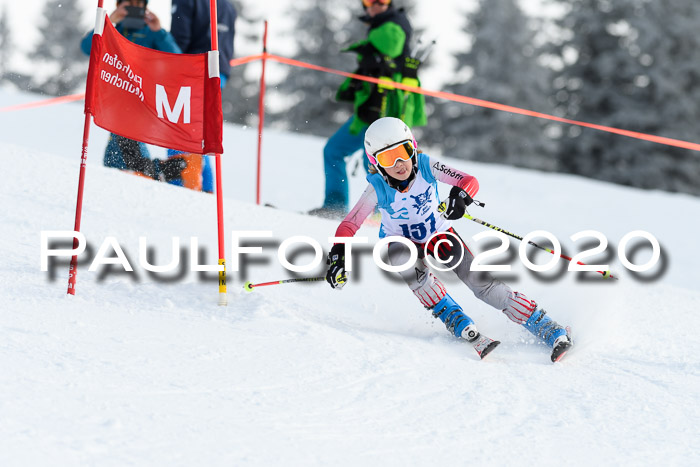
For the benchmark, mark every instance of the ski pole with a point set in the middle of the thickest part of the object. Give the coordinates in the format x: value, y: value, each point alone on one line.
x: 249, y: 286
x: 606, y: 274
x: 426, y: 51
x: 356, y: 160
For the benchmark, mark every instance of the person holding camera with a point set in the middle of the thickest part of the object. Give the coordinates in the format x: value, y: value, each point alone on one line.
x: 137, y: 23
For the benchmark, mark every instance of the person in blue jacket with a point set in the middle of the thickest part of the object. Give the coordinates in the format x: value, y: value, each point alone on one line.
x: 121, y: 152
x: 191, y: 30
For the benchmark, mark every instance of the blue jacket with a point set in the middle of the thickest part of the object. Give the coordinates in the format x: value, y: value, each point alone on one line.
x: 158, y: 40
x: 190, y: 28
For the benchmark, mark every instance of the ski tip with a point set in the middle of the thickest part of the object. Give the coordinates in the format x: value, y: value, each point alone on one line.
x: 487, y: 350
x: 559, y: 351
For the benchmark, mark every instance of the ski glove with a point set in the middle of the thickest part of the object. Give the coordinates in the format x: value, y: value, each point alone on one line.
x: 410, y: 68
x: 457, y: 203
x: 172, y: 168
x: 335, y: 275
x: 133, y: 158
x: 168, y: 169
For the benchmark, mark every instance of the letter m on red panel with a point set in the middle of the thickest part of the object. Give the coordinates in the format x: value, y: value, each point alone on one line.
x: 159, y: 98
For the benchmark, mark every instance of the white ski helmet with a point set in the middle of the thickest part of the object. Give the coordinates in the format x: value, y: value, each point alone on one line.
x: 385, y: 133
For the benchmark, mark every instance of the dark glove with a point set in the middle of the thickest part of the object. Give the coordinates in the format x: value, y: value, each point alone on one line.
x: 133, y: 159
x: 457, y: 203
x: 172, y: 168
x: 335, y: 275
x: 410, y: 67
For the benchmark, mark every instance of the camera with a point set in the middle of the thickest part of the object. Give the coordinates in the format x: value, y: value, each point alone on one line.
x: 134, y: 18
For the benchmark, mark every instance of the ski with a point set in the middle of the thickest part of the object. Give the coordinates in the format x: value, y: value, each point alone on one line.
x: 483, y: 345
x: 560, y: 349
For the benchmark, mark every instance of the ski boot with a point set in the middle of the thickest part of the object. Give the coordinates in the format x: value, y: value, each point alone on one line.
x: 550, y: 332
x: 462, y: 326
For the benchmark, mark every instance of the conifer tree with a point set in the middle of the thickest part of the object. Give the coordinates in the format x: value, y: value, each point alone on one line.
x: 322, y: 28
x: 500, y: 65
x: 5, y: 42
x: 59, y: 47
x: 667, y: 45
x: 240, y: 96
x: 631, y: 64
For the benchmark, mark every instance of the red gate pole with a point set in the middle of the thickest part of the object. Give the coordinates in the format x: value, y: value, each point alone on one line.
x: 261, y: 113
x: 223, y: 300
x: 73, y: 268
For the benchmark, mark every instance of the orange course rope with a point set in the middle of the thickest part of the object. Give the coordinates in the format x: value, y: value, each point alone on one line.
x: 494, y: 105
x: 77, y: 97
x: 55, y: 100
x: 414, y: 89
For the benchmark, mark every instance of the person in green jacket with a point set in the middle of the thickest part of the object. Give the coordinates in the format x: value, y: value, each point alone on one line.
x: 383, y: 54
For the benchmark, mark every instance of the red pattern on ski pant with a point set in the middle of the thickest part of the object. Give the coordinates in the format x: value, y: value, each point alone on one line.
x: 429, y: 290
x: 519, y: 308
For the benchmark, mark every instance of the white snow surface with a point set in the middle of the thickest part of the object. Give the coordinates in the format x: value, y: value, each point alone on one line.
x: 146, y: 369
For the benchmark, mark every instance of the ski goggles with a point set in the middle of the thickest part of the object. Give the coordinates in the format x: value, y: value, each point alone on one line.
x: 388, y: 158
x: 369, y: 3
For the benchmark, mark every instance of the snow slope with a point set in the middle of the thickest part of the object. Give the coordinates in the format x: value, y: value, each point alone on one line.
x: 143, y: 369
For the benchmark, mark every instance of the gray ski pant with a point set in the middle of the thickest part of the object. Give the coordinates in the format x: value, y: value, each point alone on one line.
x: 429, y: 288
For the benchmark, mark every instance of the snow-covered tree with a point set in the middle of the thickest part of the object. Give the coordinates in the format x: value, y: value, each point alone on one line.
x: 631, y: 64
x: 59, y: 48
x: 5, y: 42
x: 321, y: 29
x: 500, y: 65
x: 668, y: 47
x: 240, y: 96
